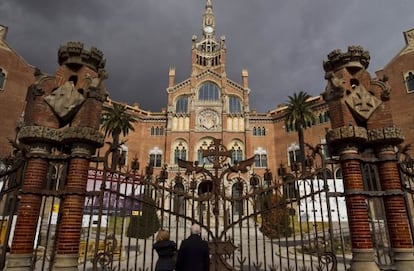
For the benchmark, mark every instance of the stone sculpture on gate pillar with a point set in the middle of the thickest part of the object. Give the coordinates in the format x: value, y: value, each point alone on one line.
x: 361, y: 119
x: 63, y: 110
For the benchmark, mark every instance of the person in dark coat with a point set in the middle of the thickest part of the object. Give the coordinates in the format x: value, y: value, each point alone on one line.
x: 166, y: 250
x: 193, y: 254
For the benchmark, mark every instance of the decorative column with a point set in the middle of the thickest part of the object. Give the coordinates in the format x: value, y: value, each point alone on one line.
x: 84, y: 143
x: 29, y: 208
x: 385, y: 141
x: 347, y: 141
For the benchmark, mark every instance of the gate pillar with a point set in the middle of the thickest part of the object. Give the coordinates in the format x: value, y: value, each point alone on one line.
x: 62, y: 111
x: 345, y: 141
x: 385, y: 141
x: 21, y: 253
x: 39, y: 134
x: 354, y: 98
x: 83, y: 137
x: 350, y: 105
x: 72, y: 206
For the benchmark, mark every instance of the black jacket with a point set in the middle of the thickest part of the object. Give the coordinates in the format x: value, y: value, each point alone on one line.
x: 193, y: 255
x: 166, y: 251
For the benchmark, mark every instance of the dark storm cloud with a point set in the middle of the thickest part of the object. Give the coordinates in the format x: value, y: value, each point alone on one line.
x: 281, y: 43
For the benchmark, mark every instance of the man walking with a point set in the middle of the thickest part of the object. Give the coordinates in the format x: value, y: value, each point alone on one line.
x: 193, y: 253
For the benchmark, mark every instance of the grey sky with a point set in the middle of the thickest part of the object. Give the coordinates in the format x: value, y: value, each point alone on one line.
x: 281, y: 43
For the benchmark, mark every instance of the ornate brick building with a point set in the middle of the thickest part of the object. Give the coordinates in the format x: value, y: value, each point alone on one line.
x: 209, y: 104
x: 361, y: 118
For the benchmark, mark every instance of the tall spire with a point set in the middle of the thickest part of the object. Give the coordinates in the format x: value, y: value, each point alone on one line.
x: 209, y: 21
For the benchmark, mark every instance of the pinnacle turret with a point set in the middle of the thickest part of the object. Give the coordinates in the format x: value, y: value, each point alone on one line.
x: 75, y: 53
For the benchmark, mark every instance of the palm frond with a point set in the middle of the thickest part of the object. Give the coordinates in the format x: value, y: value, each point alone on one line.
x: 116, y: 120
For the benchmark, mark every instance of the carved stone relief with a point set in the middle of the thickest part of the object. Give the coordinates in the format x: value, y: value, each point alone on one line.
x: 362, y: 103
x: 65, y: 100
x: 208, y: 120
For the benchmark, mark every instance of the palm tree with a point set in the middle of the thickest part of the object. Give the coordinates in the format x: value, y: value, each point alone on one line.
x: 298, y: 114
x: 116, y: 120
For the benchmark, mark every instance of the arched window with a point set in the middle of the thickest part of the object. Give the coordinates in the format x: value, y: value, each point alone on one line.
x: 155, y: 157
x: 181, y: 105
x: 236, y: 153
x: 234, y: 105
x: 260, y: 158
x: 338, y: 174
x: 2, y: 79
x: 208, y: 92
x: 206, y: 186
x: 236, y: 192
x: 293, y: 154
x: 180, y: 152
x: 409, y: 80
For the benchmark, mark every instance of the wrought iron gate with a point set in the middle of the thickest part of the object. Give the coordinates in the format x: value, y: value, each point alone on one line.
x: 295, y: 221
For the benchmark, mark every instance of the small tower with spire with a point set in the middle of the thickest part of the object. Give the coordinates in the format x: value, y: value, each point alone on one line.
x: 208, y: 52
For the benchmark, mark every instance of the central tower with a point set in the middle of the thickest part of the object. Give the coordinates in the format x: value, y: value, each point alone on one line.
x: 208, y: 52
x: 207, y: 104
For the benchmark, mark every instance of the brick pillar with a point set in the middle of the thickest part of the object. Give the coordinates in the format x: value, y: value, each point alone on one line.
x: 346, y: 142
x: 29, y: 208
x: 84, y: 137
x: 363, y: 257
x: 394, y: 202
x: 71, y: 215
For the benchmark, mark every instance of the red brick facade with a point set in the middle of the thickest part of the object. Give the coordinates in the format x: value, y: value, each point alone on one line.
x: 19, y: 75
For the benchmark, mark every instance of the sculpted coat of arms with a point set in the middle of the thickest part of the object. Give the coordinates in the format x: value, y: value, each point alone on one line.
x: 208, y: 119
